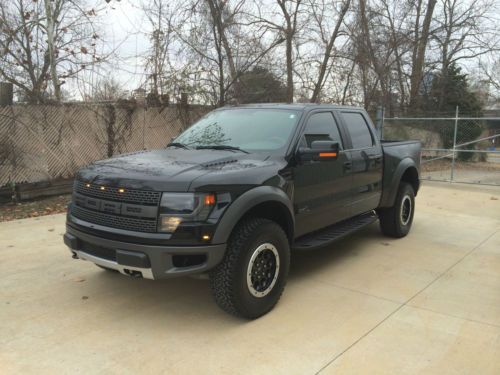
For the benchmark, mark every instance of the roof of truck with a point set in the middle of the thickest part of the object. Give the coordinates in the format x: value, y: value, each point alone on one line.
x: 294, y: 106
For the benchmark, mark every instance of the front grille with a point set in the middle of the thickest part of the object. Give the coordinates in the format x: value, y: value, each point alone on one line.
x: 144, y: 197
x: 98, y: 251
x: 119, y: 222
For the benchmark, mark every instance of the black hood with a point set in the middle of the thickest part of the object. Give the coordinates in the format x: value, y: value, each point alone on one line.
x: 175, y: 169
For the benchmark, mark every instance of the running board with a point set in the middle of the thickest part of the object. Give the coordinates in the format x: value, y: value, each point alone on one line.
x: 330, y: 234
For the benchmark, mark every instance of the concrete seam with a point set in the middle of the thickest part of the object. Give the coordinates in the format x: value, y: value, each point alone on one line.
x: 454, y: 316
x: 406, y: 302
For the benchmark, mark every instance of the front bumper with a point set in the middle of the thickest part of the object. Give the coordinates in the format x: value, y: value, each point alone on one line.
x: 148, y: 261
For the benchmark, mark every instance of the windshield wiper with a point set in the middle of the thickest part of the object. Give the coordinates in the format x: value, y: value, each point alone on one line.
x: 178, y: 144
x: 221, y: 147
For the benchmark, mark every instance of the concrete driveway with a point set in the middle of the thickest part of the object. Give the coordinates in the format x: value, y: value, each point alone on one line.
x: 428, y: 303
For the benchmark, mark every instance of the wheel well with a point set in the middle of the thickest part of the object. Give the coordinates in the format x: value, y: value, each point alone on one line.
x: 274, y: 211
x: 411, y: 176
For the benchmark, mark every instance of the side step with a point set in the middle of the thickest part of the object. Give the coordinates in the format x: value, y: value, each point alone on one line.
x: 330, y: 234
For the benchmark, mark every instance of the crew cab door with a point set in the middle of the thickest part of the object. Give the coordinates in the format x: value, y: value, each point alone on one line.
x: 367, y: 161
x: 322, y: 187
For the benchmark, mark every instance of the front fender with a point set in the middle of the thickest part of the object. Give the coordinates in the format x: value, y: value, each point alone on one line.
x: 244, y: 203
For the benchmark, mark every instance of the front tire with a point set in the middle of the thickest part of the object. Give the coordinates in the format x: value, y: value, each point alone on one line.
x: 250, y: 279
x: 396, y: 221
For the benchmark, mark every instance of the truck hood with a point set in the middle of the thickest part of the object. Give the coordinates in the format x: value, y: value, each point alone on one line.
x: 176, y: 169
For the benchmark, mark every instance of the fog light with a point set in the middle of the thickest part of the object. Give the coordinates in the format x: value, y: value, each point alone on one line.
x: 169, y: 223
x: 206, y: 237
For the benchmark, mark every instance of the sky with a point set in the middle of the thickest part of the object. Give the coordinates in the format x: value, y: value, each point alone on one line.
x: 123, y: 29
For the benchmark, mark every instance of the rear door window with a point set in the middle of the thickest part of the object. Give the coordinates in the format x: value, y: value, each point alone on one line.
x: 357, y: 127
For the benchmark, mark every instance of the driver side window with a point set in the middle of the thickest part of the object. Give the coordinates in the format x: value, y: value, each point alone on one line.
x: 321, y: 127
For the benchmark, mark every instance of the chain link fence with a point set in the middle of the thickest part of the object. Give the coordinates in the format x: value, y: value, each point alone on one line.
x: 47, y: 142
x: 454, y: 148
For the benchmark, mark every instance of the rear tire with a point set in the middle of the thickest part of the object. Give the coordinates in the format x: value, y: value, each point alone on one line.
x: 250, y: 279
x: 396, y: 221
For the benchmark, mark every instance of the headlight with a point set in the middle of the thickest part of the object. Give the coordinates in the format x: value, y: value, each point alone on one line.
x: 183, y: 207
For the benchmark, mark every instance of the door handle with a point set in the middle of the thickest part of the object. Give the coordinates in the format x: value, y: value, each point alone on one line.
x: 377, y: 159
x: 347, y: 166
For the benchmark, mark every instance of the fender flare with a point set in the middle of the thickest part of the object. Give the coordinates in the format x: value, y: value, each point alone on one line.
x: 391, y: 189
x: 246, y: 202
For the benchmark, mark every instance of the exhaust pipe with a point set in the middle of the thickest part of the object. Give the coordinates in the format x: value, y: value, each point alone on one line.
x: 133, y: 273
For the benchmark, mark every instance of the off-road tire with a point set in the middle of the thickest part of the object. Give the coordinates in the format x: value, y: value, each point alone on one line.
x: 228, y: 280
x: 393, y: 222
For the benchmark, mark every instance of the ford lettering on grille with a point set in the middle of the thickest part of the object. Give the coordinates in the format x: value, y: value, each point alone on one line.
x: 136, y: 211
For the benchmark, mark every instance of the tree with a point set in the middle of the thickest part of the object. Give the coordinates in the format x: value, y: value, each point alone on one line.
x: 328, y: 39
x: 284, y: 19
x: 109, y: 89
x: 421, y: 38
x: 289, y: 29
x: 463, y: 32
x: 261, y: 86
x: 458, y: 94
x: 44, y: 43
x: 160, y: 17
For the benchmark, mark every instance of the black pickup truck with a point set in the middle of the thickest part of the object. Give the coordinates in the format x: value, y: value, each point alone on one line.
x: 239, y: 190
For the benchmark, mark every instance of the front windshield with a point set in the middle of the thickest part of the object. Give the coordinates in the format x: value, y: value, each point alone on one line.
x: 253, y: 129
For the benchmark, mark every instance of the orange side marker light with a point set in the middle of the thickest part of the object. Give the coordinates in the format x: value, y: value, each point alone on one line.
x: 327, y: 154
x: 210, y: 199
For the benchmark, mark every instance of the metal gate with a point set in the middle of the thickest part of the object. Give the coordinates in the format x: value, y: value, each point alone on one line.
x: 454, y: 149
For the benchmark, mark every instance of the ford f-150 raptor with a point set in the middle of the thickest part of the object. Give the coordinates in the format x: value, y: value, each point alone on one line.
x: 239, y: 190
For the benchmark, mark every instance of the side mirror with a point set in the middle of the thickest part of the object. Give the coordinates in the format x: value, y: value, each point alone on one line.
x: 319, y: 151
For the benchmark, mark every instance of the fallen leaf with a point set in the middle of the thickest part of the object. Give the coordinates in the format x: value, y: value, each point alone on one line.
x: 78, y: 279
x: 85, y: 297
x: 494, y: 198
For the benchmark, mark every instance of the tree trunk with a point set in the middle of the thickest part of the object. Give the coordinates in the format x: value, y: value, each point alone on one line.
x: 216, y: 13
x: 379, y: 70
x: 110, y: 118
x: 418, y: 65
x: 50, y: 25
x: 289, y: 69
x: 328, y: 52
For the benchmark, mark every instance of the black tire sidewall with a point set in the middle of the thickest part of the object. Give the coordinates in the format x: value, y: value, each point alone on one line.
x: 267, y: 232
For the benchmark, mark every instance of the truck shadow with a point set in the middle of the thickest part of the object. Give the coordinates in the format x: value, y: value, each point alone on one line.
x: 191, y: 297
x: 304, y: 263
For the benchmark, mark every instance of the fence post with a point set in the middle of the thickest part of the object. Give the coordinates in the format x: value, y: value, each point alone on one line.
x: 379, y: 121
x: 454, y: 145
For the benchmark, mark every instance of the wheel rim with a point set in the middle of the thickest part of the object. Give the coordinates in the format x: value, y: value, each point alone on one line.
x: 263, y: 270
x: 405, y: 213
